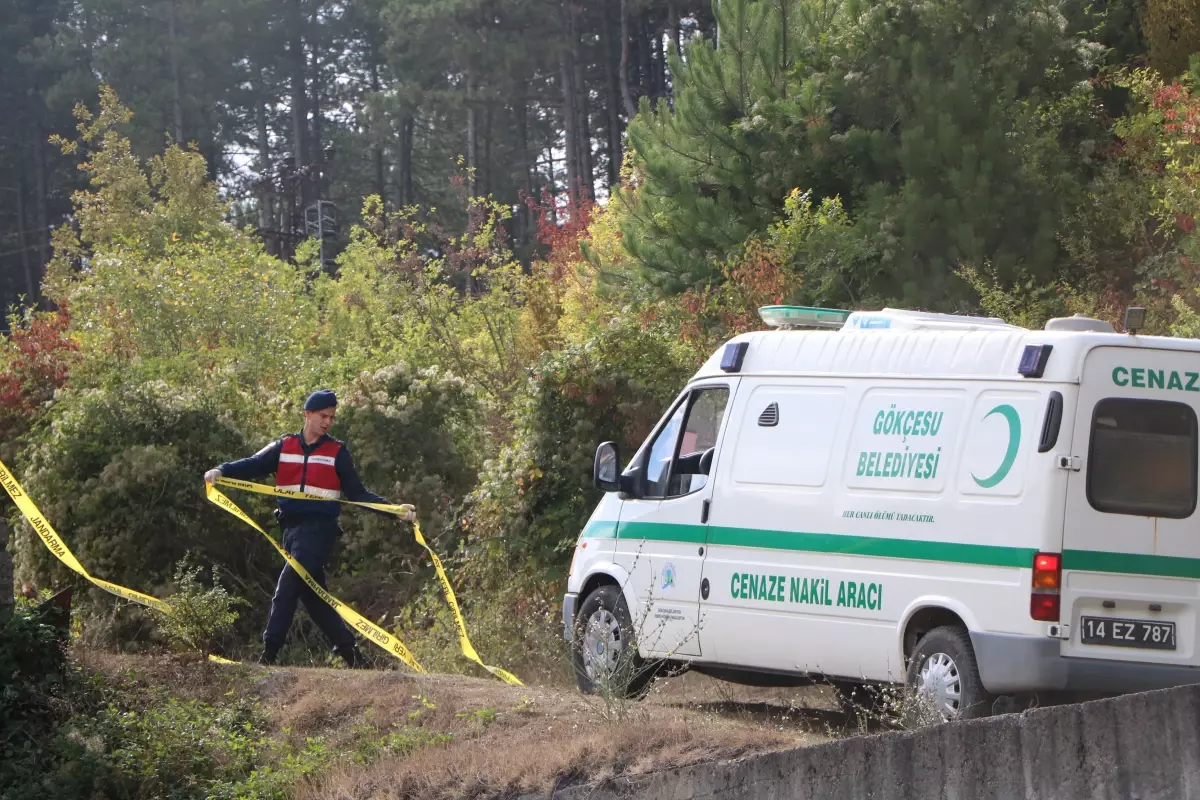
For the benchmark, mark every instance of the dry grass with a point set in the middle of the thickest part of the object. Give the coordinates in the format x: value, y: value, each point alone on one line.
x: 539, y: 758
x: 501, y: 739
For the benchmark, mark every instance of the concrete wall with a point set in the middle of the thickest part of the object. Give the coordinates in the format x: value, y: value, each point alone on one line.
x: 1144, y: 746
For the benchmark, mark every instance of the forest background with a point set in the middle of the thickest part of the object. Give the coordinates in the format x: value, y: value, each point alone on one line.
x: 506, y: 232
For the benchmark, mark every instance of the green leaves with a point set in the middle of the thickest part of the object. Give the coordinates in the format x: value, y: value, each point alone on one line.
x: 199, y: 615
x: 927, y: 121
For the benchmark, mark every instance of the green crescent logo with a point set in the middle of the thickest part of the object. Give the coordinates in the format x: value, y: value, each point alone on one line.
x: 1014, y: 444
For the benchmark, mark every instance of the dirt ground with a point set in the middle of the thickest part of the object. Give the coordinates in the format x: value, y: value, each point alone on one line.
x: 494, y: 740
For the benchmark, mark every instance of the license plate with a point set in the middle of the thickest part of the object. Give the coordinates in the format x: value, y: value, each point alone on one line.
x: 1138, y: 633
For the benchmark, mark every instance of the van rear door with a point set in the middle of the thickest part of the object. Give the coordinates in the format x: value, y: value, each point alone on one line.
x: 1131, y: 542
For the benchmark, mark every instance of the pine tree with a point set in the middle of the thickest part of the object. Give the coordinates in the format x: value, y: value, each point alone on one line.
x: 961, y: 165
x: 717, y: 166
x: 926, y: 120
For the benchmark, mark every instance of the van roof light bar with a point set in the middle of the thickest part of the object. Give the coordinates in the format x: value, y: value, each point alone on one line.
x: 790, y: 317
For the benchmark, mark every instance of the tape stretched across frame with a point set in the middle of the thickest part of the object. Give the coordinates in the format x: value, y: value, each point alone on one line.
x: 372, y: 632
x: 58, y: 547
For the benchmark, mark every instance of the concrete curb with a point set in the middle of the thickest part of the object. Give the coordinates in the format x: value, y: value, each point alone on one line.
x: 1144, y: 746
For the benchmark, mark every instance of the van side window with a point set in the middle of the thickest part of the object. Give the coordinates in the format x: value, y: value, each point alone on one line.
x: 673, y: 466
x: 1143, y: 458
x: 658, y: 460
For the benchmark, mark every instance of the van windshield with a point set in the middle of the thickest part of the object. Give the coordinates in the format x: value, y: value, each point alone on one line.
x: 1143, y: 458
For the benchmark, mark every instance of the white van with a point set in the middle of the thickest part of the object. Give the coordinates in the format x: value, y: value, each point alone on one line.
x: 965, y: 506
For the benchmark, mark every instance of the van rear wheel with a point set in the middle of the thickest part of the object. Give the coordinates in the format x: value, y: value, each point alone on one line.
x: 603, y: 650
x: 943, y: 679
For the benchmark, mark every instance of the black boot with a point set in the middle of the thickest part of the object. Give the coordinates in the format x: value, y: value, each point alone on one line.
x: 353, y: 658
x: 268, y: 656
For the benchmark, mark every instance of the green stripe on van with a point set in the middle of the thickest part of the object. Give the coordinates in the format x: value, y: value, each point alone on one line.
x: 600, y: 530
x: 795, y: 541
x: 1132, y: 564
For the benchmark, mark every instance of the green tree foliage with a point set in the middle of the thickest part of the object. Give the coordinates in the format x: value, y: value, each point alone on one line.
x: 32, y: 696
x: 170, y: 289
x: 926, y: 120
x: 715, y: 168
x: 410, y: 289
x: 948, y: 98
x: 535, y: 495
x: 808, y: 257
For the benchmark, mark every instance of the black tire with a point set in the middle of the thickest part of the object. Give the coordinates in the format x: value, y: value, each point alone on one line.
x: 624, y: 674
x: 948, y: 652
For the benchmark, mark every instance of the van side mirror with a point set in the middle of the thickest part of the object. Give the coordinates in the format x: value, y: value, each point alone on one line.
x: 606, y: 470
x: 706, y: 460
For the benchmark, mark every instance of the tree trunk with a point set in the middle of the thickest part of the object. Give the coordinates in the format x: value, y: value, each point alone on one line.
x: 407, y: 130
x: 263, y: 131
x: 41, y: 195
x: 626, y: 92
x: 661, y: 48
x: 524, y: 216
x: 266, y: 211
x: 316, y: 146
x: 784, y: 66
x: 472, y: 133
x: 31, y: 281
x: 611, y: 62
x: 553, y: 186
x: 487, y: 150
x: 570, y: 120
x: 296, y: 65
x: 583, y: 139
x: 376, y: 133
x: 645, y: 65
x: 676, y: 34
x: 176, y: 84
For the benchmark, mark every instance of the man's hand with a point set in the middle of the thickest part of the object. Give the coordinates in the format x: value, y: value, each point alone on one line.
x: 212, y: 475
x: 408, y: 513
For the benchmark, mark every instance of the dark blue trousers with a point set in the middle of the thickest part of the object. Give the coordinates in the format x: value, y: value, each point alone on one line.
x: 310, y: 542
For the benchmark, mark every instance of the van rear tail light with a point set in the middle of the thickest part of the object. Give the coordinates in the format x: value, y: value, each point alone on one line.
x: 1047, y: 581
x: 1044, y: 607
x: 1047, y: 571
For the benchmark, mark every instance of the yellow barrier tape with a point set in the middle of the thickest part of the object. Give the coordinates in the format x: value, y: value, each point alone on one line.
x: 373, y: 632
x: 464, y: 641
x: 58, y: 547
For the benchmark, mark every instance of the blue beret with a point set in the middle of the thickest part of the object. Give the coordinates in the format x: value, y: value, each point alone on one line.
x: 320, y: 400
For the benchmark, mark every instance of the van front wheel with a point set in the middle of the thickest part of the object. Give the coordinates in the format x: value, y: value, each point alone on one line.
x: 943, y: 679
x: 603, y: 651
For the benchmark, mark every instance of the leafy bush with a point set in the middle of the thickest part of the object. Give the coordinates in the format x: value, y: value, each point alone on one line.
x: 409, y: 290
x: 198, y: 615
x: 33, y: 700
x: 535, y: 496
x: 414, y: 437
x: 169, y: 747
x: 118, y: 473
x: 34, y: 363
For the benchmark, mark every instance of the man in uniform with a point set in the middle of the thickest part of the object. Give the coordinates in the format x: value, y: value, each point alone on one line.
x: 316, y: 464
